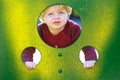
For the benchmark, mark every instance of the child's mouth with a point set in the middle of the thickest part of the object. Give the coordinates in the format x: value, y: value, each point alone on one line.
x: 56, y: 22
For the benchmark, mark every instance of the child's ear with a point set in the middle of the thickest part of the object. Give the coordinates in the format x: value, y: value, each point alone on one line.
x: 68, y: 16
x: 43, y: 20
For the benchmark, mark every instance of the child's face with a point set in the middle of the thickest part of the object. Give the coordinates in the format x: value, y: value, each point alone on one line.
x: 55, y: 17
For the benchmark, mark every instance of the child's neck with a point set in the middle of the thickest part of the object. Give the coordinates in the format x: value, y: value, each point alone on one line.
x: 56, y: 31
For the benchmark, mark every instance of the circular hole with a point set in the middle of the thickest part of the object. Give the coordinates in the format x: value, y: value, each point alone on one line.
x: 88, y: 53
x: 31, y: 56
x: 59, y: 26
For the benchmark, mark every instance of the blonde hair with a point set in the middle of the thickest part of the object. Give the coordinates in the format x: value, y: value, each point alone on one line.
x: 67, y: 8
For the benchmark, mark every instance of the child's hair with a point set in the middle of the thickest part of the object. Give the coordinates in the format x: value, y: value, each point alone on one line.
x: 67, y: 8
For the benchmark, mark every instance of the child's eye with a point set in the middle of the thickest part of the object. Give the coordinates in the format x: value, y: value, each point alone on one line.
x: 61, y: 12
x: 50, y: 14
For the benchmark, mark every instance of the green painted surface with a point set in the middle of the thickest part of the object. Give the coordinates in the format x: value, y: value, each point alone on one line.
x: 100, y: 29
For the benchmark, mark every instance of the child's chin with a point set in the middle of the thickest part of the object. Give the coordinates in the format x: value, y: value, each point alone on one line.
x: 57, y: 27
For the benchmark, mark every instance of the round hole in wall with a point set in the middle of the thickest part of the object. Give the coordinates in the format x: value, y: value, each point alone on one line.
x: 59, y: 26
x: 31, y: 56
x: 88, y: 53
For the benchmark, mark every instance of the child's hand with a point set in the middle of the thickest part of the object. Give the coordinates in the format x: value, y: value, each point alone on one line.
x: 89, y: 64
x: 30, y: 65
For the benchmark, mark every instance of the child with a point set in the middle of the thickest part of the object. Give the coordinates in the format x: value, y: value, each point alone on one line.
x: 59, y: 32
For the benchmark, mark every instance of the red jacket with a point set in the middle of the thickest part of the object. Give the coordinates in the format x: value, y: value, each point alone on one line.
x: 63, y: 39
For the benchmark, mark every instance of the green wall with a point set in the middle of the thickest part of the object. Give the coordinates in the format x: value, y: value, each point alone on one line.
x: 100, y: 29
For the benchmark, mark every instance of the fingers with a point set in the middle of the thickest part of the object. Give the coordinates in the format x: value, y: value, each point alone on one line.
x: 89, y: 64
x: 30, y: 65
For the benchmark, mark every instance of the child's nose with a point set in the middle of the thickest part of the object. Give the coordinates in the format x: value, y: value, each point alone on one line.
x: 56, y: 15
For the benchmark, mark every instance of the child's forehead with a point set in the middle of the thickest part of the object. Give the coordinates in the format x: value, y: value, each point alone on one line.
x: 55, y: 8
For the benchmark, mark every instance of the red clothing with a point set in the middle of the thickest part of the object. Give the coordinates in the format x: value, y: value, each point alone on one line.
x: 90, y: 53
x: 65, y: 38
x: 27, y: 54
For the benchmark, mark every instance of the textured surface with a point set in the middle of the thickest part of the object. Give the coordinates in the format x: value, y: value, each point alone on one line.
x: 100, y: 29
